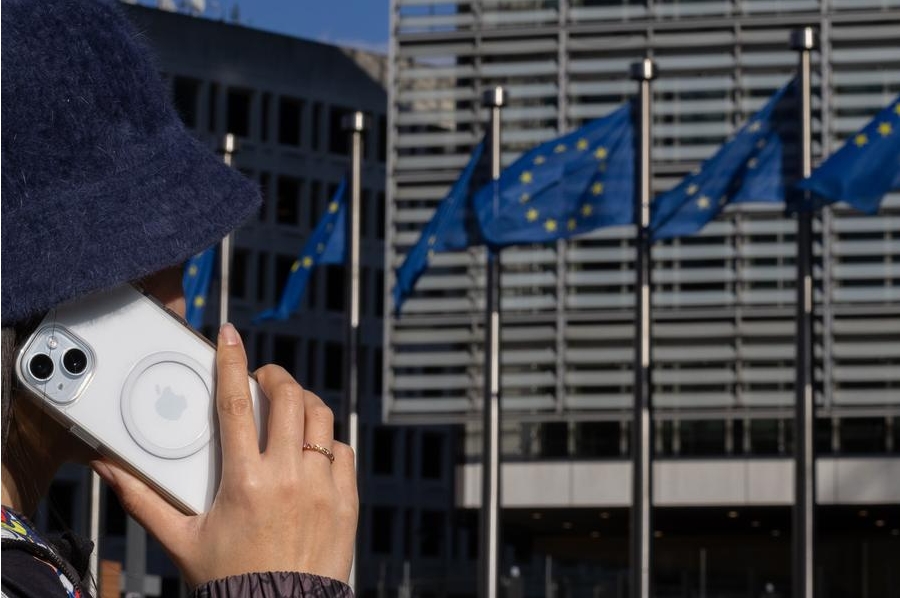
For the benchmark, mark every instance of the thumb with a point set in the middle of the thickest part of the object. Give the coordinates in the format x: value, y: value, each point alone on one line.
x: 166, y: 523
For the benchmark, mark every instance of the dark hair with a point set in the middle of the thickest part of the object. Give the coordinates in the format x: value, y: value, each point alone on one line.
x: 9, y: 345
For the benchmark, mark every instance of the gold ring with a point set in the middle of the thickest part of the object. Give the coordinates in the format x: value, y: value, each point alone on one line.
x: 319, y: 449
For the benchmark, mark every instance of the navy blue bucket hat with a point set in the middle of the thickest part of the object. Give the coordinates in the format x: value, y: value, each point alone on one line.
x: 101, y: 182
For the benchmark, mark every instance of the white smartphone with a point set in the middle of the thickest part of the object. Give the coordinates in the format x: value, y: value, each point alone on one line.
x: 135, y: 382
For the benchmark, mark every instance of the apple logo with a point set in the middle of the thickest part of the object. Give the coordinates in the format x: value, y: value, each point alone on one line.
x: 168, y: 404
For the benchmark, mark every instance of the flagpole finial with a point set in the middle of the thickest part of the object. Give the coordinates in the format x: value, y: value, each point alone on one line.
x: 643, y: 70
x: 804, y: 38
x: 495, y: 97
x: 229, y: 143
x: 355, y: 121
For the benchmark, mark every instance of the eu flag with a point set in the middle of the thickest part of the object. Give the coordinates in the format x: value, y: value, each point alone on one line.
x: 451, y: 228
x: 325, y: 246
x: 570, y: 185
x: 748, y: 168
x: 865, y: 168
x: 198, y: 273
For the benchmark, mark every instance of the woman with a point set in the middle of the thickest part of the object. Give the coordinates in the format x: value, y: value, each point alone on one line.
x: 102, y: 185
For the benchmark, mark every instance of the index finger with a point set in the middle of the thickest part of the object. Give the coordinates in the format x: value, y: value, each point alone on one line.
x: 234, y: 404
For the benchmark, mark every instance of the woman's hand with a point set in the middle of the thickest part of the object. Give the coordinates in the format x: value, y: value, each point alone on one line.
x: 286, y: 509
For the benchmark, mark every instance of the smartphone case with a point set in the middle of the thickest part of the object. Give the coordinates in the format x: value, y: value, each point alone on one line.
x: 147, y: 395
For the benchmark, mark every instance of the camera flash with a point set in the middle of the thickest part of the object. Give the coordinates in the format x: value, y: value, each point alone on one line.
x: 52, y: 343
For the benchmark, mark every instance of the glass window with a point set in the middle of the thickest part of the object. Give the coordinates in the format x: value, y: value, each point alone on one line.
x: 239, y: 273
x: 764, y: 437
x: 284, y: 352
x: 287, y: 208
x: 863, y: 434
x: 382, y: 139
x: 338, y: 139
x: 315, y: 200
x: 212, y: 103
x: 382, y: 530
x: 185, y: 95
x: 316, y: 126
x: 383, y: 450
x: 290, y: 111
x: 264, y: 116
x: 312, y: 363
x: 432, y: 455
x: 334, y: 366
x: 702, y: 437
x: 554, y: 439
x: 265, y: 181
x: 431, y: 533
x: 283, y: 264
x: 262, y: 276
x: 378, y: 357
x: 597, y: 439
x: 380, y: 215
x: 334, y: 288
x: 237, y: 112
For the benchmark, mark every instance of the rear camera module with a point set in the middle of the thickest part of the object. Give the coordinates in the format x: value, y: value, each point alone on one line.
x: 41, y: 366
x: 75, y: 361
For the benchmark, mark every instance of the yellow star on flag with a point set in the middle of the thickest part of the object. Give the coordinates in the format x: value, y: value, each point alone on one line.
x: 897, y: 108
x: 587, y: 209
x: 430, y: 253
x: 572, y: 224
x: 703, y: 202
x: 550, y: 225
x: 332, y: 207
x: 192, y: 271
x: 597, y: 188
x: 538, y: 160
x: 524, y: 198
x: 525, y: 177
x: 582, y: 144
x: 320, y: 247
x: 761, y: 143
x: 307, y: 262
x: 860, y: 140
x: 432, y: 239
x: 692, y: 188
x: 531, y: 215
x: 752, y: 163
x: 295, y: 266
x: 754, y: 126
x: 559, y: 148
x: 199, y: 301
x: 600, y: 153
x: 884, y: 129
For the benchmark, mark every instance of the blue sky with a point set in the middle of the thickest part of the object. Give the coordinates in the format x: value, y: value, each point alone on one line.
x: 357, y: 23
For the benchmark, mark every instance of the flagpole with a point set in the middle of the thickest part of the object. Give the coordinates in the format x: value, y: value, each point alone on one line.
x: 494, y: 99
x: 94, y: 532
x: 354, y: 124
x: 228, y: 148
x: 641, y: 456
x: 804, y: 41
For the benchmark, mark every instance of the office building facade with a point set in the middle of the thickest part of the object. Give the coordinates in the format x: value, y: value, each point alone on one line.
x: 723, y: 300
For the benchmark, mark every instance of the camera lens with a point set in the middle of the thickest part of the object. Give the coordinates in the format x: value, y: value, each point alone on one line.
x: 75, y: 361
x: 41, y: 366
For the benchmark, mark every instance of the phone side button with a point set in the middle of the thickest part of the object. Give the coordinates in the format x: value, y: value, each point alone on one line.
x: 84, y: 437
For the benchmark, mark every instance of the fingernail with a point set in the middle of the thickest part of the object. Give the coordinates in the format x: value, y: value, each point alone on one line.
x: 229, y: 334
